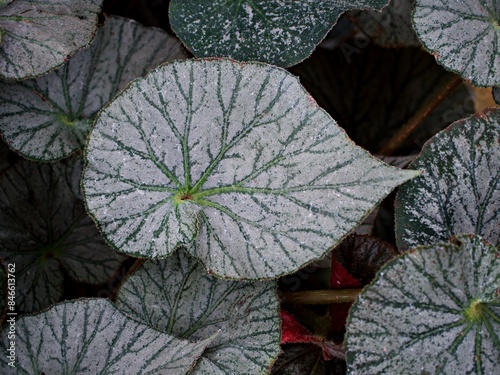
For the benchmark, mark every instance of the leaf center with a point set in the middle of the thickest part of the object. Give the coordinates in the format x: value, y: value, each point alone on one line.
x: 183, y: 196
x: 474, y: 311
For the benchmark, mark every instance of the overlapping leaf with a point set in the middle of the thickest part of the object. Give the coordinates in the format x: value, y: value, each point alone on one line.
x: 272, y: 31
x: 305, y: 359
x: 389, y: 28
x: 182, y: 300
x: 435, y: 309
x: 93, y: 336
x: 459, y: 191
x: 373, y: 91
x: 463, y: 36
x: 237, y: 155
x: 44, y: 228
x: 48, y: 118
x: 39, y: 35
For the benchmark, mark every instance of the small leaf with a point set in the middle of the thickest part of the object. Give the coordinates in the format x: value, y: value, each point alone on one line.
x: 435, y: 309
x: 49, y: 118
x: 273, y: 181
x: 459, y: 190
x: 182, y: 300
x: 44, y: 228
x: 39, y: 35
x: 93, y: 337
x: 305, y: 359
x: 373, y: 91
x: 362, y: 256
x: 390, y: 27
x: 463, y: 36
x: 272, y: 31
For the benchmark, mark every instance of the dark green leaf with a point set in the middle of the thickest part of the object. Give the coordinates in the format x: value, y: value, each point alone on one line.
x: 272, y: 31
x: 389, y: 28
x: 44, y: 228
x: 362, y: 256
x: 372, y: 91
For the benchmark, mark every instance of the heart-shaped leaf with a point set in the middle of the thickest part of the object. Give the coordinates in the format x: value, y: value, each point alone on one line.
x: 44, y: 229
x: 48, y: 118
x: 94, y: 337
x: 272, y: 31
x: 39, y: 35
x: 463, y: 36
x: 182, y: 300
x: 343, y: 81
x: 459, y: 191
x: 436, y: 309
x: 389, y: 28
x: 234, y: 155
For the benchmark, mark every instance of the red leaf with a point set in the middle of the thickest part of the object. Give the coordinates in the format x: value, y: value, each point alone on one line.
x: 293, y: 332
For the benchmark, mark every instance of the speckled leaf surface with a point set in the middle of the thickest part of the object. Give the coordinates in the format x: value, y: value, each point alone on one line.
x: 94, y: 337
x: 184, y: 301
x: 435, y: 309
x: 373, y: 91
x: 44, y: 229
x: 459, y: 191
x: 463, y: 36
x: 48, y: 118
x: 274, y: 31
x: 269, y: 181
x: 39, y: 35
x: 389, y: 28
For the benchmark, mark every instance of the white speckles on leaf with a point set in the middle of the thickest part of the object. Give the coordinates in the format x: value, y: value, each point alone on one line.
x: 273, y: 31
x: 182, y: 300
x: 459, y: 190
x: 75, y: 338
x: 463, y: 36
x: 40, y: 35
x: 416, y: 314
x: 253, y: 166
x: 49, y: 117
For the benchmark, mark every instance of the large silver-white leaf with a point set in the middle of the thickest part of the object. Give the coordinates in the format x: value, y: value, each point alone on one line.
x: 268, y: 180
x: 178, y: 297
x: 39, y: 35
x: 463, y: 36
x: 273, y: 31
x: 94, y: 337
x: 459, y: 191
x: 49, y: 117
x: 435, y: 310
x: 44, y: 230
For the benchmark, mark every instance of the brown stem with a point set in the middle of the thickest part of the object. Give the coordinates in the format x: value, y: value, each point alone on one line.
x: 404, y: 132
x: 321, y: 297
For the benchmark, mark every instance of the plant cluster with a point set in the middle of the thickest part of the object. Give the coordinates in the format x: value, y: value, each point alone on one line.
x: 221, y: 201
